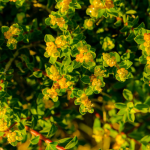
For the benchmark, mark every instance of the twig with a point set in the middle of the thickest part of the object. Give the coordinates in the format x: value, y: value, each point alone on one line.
x: 15, y: 55
x: 35, y: 133
x: 105, y: 94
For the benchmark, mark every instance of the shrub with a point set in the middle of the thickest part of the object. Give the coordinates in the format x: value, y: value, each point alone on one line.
x: 74, y: 74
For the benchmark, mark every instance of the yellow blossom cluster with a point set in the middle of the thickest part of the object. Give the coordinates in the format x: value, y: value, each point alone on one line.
x: 54, y: 73
x: 85, y: 101
x: 99, y: 134
x: 110, y: 61
x: 147, y: 43
x: 98, y: 72
x: 84, y: 54
x: 96, y: 83
x: 87, y: 57
x: 3, y: 125
x: 60, y: 41
x: 52, y: 49
x: 11, y: 137
x: 64, y: 5
x: 52, y: 93
x: 98, y: 4
x: 119, y: 141
x: 11, y: 32
x: 122, y: 73
x: 59, y: 21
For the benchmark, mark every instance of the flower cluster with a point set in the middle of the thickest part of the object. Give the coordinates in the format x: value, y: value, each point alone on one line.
x: 147, y: 43
x: 118, y: 142
x: 57, y: 21
x: 93, y: 9
x: 54, y: 73
x: 52, y: 49
x: 11, y: 32
x: 89, y: 24
x: 122, y: 74
x: 100, y: 134
x: 3, y: 125
x: 2, y: 112
x: 110, y: 60
x: 11, y: 137
x: 96, y: 83
x: 63, y: 5
x: 87, y: 57
x: 98, y: 72
x: 60, y: 41
x: 52, y: 93
x: 84, y: 102
x: 83, y: 55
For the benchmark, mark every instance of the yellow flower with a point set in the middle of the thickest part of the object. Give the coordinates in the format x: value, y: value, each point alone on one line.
x: 53, y: 20
x: 148, y: 59
x: 60, y: 22
x: 82, y: 49
x: 52, y: 49
x: 122, y: 73
x: 52, y: 93
x: 3, y: 125
x: 88, y: 57
x: 8, y: 34
x: 111, y: 61
x: 11, y: 137
x: 98, y: 135
x: 98, y: 4
x: 60, y: 42
x: 119, y: 139
x: 106, y: 56
x: 99, y: 72
x: 89, y: 23
x: 62, y: 83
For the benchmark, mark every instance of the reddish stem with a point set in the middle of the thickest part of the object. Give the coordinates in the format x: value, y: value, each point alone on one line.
x: 33, y: 132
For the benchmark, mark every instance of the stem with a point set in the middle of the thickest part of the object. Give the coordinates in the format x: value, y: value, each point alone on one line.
x: 105, y: 94
x: 35, y: 133
x: 15, y: 55
x: 10, y: 61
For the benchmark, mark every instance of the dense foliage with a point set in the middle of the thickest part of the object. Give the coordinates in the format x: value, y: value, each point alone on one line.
x: 74, y: 74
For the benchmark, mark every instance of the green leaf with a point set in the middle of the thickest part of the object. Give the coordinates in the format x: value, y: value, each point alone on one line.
x: 131, y: 116
x: 142, y: 107
x: 120, y: 105
x: 85, y: 79
x: 97, y: 123
x: 35, y: 140
x: 51, y: 146
x: 131, y: 12
x: 52, y: 60
x: 130, y: 37
x: 4, y: 29
x: 127, y: 94
x: 122, y: 111
x: 89, y: 91
x: 49, y: 38
x: 2, y: 94
x: 52, y: 131
x: 72, y: 143
x: 139, y: 39
x: 125, y: 64
x: 37, y: 74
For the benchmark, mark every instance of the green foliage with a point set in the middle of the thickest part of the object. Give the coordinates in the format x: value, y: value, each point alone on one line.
x: 71, y: 66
